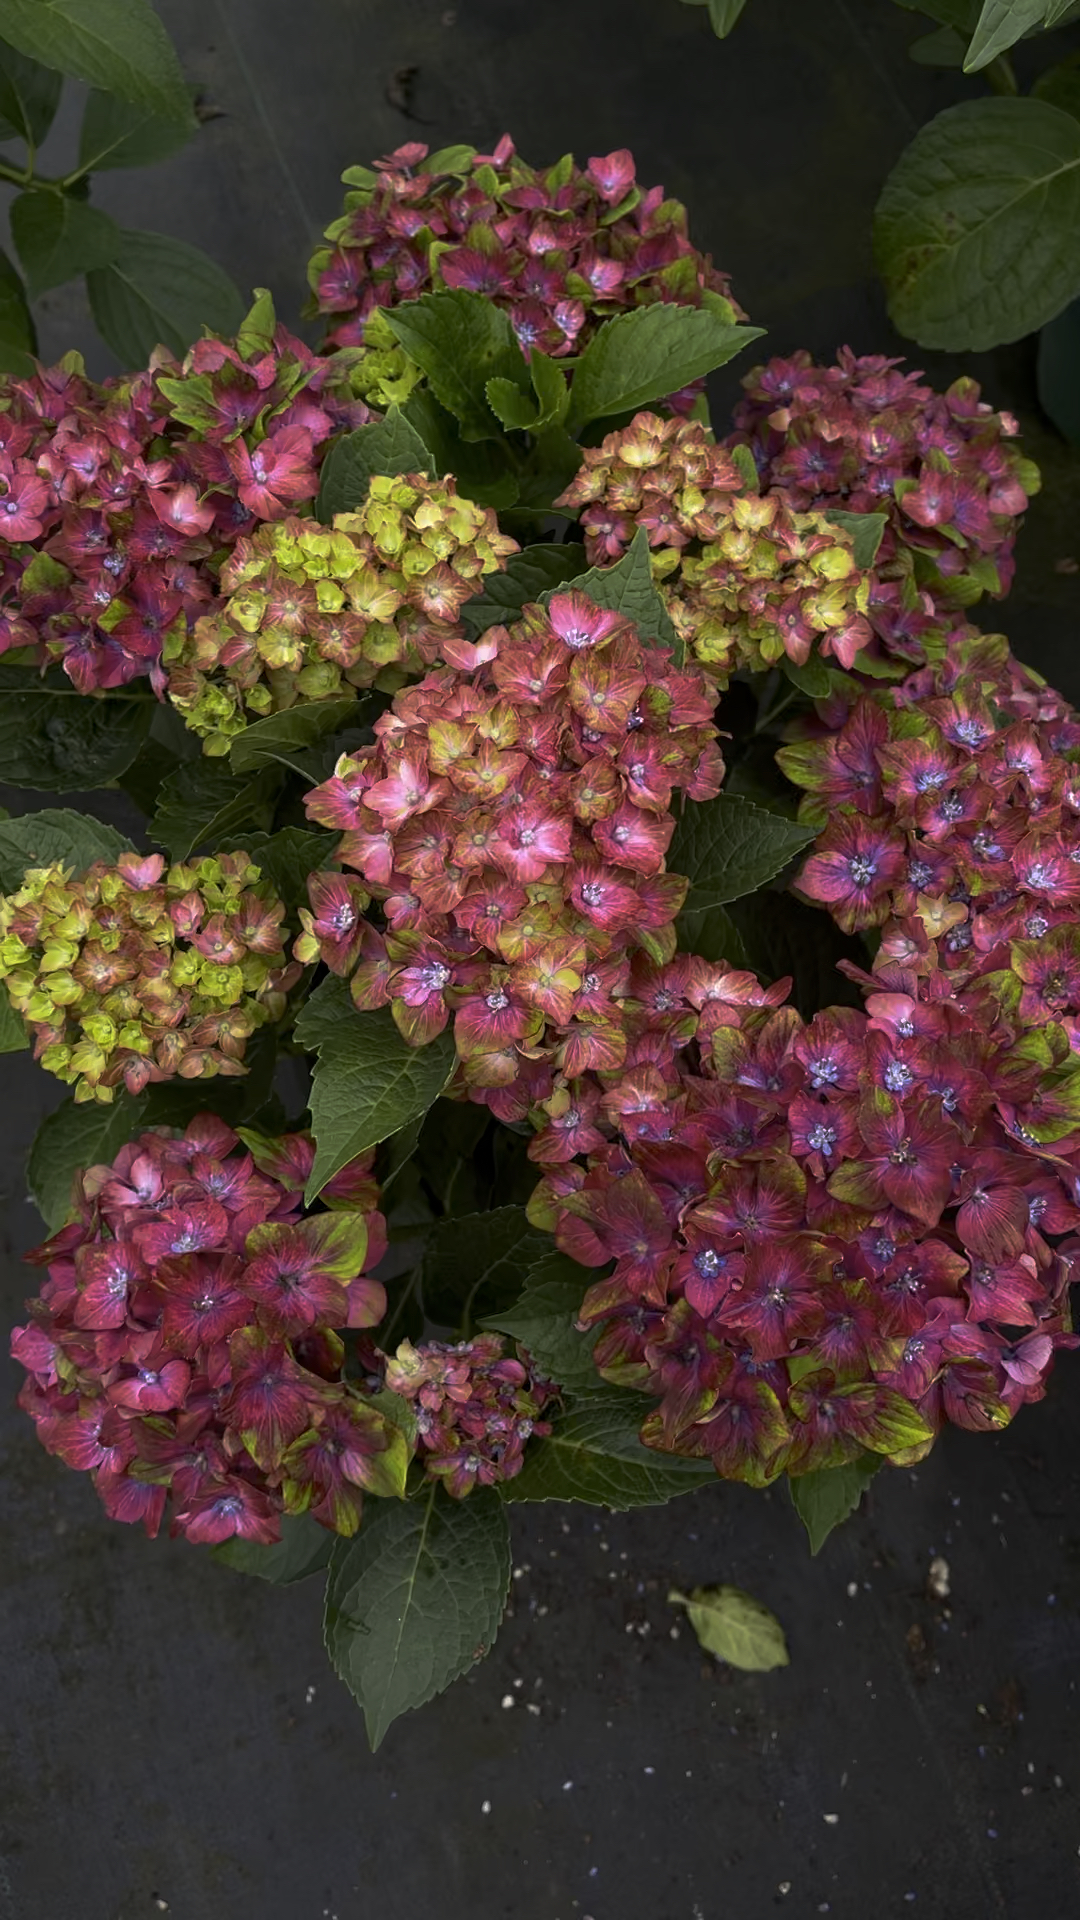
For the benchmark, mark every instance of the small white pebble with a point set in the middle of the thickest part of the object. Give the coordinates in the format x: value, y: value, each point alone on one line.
x: 485, y: 1806
x: 852, y: 1589
x: 566, y: 1785
x: 508, y: 1700
x: 784, y: 1887
x: 161, y: 1905
x: 531, y: 1707
x: 831, y: 1819
x: 309, y: 1696
x: 1058, y: 1781
x: 938, y: 1578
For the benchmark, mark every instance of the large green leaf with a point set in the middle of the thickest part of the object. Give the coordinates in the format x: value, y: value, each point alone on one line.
x: 475, y: 1264
x: 392, y: 445
x: 543, y: 1319
x: 119, y: 45
x: 416, y: 1598
x: 120, y: 133
x: 367, y: 1083
x: 76, y: 1135
x: 728, y: 847
x: 18, y: 341
x: 53, y: 737
x: 527, y: 576
x: 977, y: 231
x: 29, y: 96
x: 824, y: 1499
x: 202, y: 803
x: 647, y: 353
x: 55, y: 836
x: 160, y: 292
x: 865, y: 529
x: 628, y: 587
x: 58, y: 237
x: 304, y: 1548
x: 1060, y: 87
x: 483, y: 470
x: 462, y: 341
x: 1000, y: 25
x: 735, y: 1627
x: 282, y: 735
x: 14, y: 1037
x: 593, y: 1455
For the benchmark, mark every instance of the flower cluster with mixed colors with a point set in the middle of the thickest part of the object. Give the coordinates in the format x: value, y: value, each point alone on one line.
x: 512, y: 822
x: 560, y: 248
x: 475, y: 1407
x: 139, y: 972
x: 311, y: 612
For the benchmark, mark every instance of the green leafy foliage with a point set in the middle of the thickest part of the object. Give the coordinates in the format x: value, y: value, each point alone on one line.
x: 728, y: 847
x: 723, y: 14
x: 119, y: 45
x: 14, y: 1037
x: 475, y: 1264
x: 462, y: 341
x: 367, y: 1083
x: 160, y: 292
x: 281, y: 736
x: 942, y: 48
x: 18, y: 341
x: 415, y: 1599
x: 58, y: 237
x: 546, y: 407
x: 76, y: 1135
x: 55, y: 738
x: 865, y: 529
x: 392, y: 445
x: 1060, y: 87
x: 482, y: 470
x: 735, y: 1627
x: 528, y: 575
x: 1000, y: 25
x: 543, y: 1318
x: 55, y: 835
x: 647, y: 353
x: 593, y: 1455
x: 977, y: 231
x: 202, y: 803
x: 824, y: 1499
x: 121, y: 133
x: 628, y: 588
x: 304, y: 1548
x: 29, y: 97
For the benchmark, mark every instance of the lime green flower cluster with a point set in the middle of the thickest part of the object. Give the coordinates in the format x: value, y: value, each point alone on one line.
x: 312, y: 612
x: 748, y: 580
x: 380, y: 371
x: 136, y: 973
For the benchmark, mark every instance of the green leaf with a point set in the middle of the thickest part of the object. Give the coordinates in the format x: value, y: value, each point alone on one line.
x: 76, y: 1135
x: 415, y: 1599
x: 482, y: 471
x: 304, y: 1548
x: 160, y: 292
x: 593, y: 1455
x: 781, y: 936
x: 942, y: 48
x: 511, y: 407
x: 825, y: 1498
x: 473, y: 1264
x: 18, y: 341
x: 723, y: 14
x: 367, y: 1083
x: 29, y: 97
x: 1060, y: 87
x: 202, y: 802
x: 648, y: 353
x: 283, y: 734
x: 628, y: 587
x: 544, y: 1317
x: 286, y: 858
x: 747, y: 465
x: 527, y: 576
x: 977, y: 231
x: 462, y: 341
x: 119, y: 45
x: 14, y: 1037
x: 728, y: 847
x: 55, y: 836
x: 962, y: 15
x: 1000, y: 25
x: 392, y: 445
x: 521, y: 411
x: 735, y: 1627
x: 57, y: 237
x: 53, y: 737
x: 454, y: 159
x: 120, y: 133
x: 865, y: 529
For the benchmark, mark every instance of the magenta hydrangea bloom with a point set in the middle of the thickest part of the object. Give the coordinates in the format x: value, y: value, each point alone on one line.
x: 475, y: 1405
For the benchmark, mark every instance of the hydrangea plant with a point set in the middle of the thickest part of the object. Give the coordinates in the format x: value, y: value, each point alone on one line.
x: 606, y: 1013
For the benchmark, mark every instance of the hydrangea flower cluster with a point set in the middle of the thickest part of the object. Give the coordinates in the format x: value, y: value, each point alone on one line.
x: 826, y: 1237
x: 561, y: 248
x: 139, y: 972
x: 310, y: 612
x: 475, y: 1407
x: 185, y: 1350
x: 747, y: 579
x: 512, y: 821
x: 863, y: 436
x: 120, y: 500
